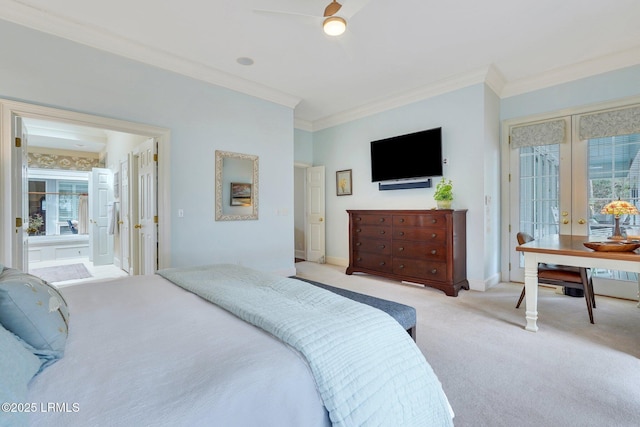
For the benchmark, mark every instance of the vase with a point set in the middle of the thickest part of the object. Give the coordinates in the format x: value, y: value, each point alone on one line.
x: 443, y: 204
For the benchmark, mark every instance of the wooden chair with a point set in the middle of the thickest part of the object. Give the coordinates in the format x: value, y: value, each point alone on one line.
x: 563, y: 275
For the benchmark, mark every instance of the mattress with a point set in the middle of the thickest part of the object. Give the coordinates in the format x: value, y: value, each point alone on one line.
x: 142, y: 351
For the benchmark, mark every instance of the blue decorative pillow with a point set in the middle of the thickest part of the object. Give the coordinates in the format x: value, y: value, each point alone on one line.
x: 34, y: 311
x: 17, y: 365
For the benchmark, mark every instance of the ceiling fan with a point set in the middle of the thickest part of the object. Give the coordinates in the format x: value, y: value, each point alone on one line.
x: 333, y: 24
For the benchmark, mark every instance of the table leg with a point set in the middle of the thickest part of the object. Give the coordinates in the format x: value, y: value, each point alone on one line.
x: 531, y: 291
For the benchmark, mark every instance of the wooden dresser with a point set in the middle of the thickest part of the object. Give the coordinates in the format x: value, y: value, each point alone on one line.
x: 420, y: 246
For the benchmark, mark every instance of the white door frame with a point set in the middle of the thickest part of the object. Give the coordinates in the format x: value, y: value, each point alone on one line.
x: 9, y: 108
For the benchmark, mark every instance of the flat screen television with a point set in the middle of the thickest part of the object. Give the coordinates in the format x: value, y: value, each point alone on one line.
x: 415, y: 155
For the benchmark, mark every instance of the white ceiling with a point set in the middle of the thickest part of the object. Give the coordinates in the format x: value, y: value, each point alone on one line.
x: 394, y: 51
x: 65, y: 136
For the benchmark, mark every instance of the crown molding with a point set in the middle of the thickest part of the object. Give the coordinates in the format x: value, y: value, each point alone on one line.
x: 303, y: 124
x: 496, y: 81
x: 407, y: 97
x: 98, y: 38
x: 580, y: 70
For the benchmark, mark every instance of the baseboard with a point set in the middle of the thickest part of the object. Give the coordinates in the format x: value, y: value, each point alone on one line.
x: 342, y: 262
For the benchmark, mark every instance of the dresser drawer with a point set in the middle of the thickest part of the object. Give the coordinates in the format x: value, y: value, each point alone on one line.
x: 371, y: 219
x: 428, y: 235
x: 372, y: 261
x: 430, y: 270
x: 424, y: 220
x: 381, y: 232
x: 378, y: 246
x: 419, y: 250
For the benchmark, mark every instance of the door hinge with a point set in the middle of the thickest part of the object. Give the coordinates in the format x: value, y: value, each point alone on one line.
x: 18, y: 222
x: 509, y: 266
x: 18, y: 142
x: 155, y: 157
x: 155, y: 219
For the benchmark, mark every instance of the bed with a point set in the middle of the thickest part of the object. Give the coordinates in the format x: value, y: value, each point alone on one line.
x: 148, y: 350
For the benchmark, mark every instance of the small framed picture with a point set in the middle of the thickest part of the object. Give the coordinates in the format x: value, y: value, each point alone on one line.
x: 240, y: 194
x: 343, y: 183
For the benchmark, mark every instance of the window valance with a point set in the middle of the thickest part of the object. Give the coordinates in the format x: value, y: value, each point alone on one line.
x: 623, y: 121
x: 544, y: 133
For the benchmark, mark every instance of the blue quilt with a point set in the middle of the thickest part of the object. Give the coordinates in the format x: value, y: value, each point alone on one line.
x: 367, y: 369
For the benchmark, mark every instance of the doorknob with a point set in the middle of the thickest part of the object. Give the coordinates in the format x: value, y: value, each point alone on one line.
x: 581, y: 221
x: 565, y: 213
x: 565, y: 221
x: 137, y: 226
x: 321, y: 219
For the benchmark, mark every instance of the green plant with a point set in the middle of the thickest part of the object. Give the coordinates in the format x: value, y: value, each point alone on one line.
x: 444, y: 190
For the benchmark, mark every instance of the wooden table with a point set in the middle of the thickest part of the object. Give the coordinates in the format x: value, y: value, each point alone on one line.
x: 567, y: 250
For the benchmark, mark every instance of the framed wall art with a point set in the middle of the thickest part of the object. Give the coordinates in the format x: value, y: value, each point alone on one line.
x: 240, y: 194
x: 343, y: 183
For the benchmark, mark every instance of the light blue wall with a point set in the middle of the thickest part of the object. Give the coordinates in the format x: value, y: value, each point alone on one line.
x: 462, y: 116
x: 45, y: 70
x: 614, y: 85
x: 303, y: 147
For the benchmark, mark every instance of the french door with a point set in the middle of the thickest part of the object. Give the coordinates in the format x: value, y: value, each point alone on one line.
x: 564, y: 170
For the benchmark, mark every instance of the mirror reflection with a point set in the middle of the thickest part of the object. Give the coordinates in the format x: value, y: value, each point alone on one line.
x: 236, y: 186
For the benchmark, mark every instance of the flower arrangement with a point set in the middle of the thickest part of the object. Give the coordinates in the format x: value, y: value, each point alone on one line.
x: 35, y: 222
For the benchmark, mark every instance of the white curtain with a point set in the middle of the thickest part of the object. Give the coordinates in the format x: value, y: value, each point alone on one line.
x: 83, y: 215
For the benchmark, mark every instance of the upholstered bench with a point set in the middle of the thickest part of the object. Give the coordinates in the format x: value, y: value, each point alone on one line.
x: 404, y: 314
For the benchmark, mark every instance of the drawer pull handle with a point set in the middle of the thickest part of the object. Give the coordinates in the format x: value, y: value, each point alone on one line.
x: 401, y: 233
x: 382, y: 263
x: 434, y: 271
x: 359, y: 259
x: 358, y: 244
x: 358, y: 230
x: 401, y: 265
x: 381, y: 219
x: 433, y: 221
x: 401, y: 219
x: 382, y: 231
x: 433, y: 235
x: 358, y: 219
x: 382, y: 246
x: 400, y: 249
x: 433, y: 251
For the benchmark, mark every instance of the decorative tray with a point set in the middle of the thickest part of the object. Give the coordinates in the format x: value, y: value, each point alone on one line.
x: 614, y: 246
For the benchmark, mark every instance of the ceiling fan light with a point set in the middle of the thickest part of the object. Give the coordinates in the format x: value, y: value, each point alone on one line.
x: 334, y: 26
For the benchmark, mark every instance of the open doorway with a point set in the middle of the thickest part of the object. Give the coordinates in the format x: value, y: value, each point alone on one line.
x: 309, y: 212
x: 64, y: 182
x: 63, y: 215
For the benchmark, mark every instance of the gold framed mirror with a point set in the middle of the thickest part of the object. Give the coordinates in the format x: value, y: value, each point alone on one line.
x: 236, y: 186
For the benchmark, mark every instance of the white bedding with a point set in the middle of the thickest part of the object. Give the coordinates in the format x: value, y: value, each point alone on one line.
x: 142, y: 351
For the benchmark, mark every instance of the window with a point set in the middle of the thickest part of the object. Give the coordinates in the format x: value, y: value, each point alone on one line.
x: 54, y: 198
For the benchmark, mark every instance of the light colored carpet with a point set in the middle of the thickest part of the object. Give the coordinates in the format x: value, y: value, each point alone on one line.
x: 495, y: 373
x: 61, y: 273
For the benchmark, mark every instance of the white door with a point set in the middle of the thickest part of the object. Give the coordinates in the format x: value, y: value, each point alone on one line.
x: 102, y: 216
x: 125, y: 219
x: 315, y: 208
x: 147, y: 236
x: 21, y: 196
